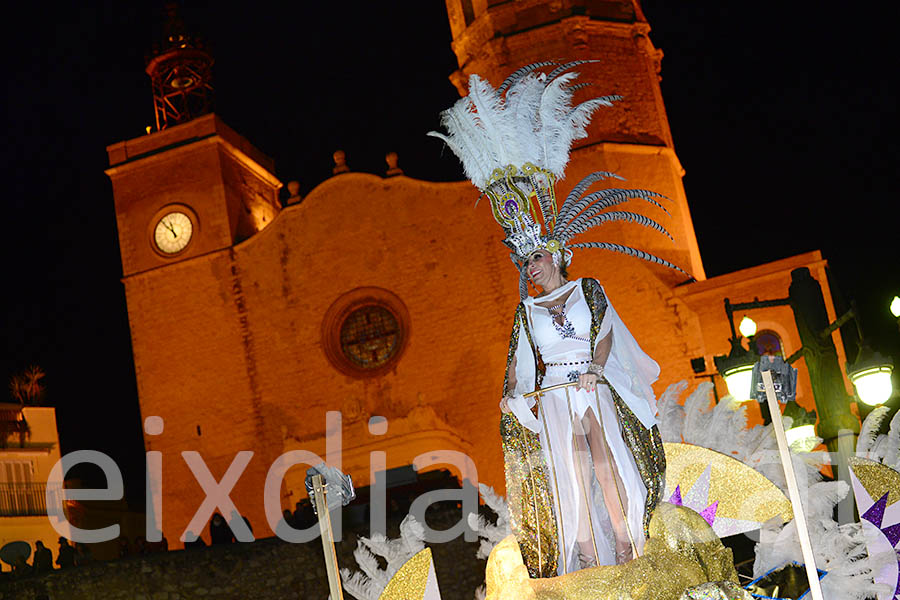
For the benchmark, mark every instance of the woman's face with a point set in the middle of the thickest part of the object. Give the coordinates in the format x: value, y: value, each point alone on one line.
x: 540, y: 267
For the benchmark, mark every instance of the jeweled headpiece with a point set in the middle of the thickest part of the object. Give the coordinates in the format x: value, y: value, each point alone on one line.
x: 514, y: 145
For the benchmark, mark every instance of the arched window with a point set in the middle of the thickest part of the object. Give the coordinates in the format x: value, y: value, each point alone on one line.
x: 767, y: 342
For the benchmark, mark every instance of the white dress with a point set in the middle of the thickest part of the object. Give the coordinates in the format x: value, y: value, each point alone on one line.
x: 630, y: 371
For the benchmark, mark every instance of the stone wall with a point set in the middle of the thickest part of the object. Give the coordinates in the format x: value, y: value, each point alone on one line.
x: 265, y: 569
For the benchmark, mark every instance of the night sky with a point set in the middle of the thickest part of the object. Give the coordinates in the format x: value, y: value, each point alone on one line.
x: 784, y: 122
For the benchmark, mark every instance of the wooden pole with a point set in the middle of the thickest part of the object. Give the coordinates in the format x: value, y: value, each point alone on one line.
x: 331, y: 564
x: 812, y: 573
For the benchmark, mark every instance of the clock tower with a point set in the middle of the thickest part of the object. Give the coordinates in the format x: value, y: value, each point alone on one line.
x: 186, y: 195
x: 187, y: 190
x: 194, y: 185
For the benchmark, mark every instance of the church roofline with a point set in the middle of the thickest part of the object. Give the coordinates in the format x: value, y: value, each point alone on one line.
x: 202, y: 127
x: 774, y: 268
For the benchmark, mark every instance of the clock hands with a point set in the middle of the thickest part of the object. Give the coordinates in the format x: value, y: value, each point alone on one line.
x: 170, y: 228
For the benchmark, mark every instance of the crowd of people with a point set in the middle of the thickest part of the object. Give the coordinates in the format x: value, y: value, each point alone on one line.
x: 68, y: 555
x: 71, y: 554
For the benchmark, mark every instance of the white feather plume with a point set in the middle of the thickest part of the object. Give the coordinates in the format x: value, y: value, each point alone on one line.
x: 489, y: 535
x: 887, y: 447
x: 838, y: 549
x: 671, y: 413
x: 370, y: 581
x: 868, y: 433
x: 532, y: 122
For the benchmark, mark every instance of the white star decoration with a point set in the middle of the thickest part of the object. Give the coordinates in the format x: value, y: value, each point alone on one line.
x: 697, y: 498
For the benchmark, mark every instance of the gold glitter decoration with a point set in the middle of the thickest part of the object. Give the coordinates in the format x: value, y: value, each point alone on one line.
x: 876, y: 478
x: 717, y: 590
x: 531, y: 513
x: 408, y: 583
x: 681, y: 553
x: 742, y: 492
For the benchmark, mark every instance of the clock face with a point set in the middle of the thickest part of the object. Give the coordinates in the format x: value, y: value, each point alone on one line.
x: 173, y: 232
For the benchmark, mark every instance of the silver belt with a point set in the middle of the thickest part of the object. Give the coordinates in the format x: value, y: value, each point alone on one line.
x: 574, y: 363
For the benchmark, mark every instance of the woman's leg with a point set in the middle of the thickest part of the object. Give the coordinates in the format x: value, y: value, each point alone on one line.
x: 614, y: 493
x: 586, y: 537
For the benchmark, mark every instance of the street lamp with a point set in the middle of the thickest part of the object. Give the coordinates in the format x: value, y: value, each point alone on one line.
x: 737, y: 368
x: 871, y: 375
x: 747, y: 327
x: 802, y: 438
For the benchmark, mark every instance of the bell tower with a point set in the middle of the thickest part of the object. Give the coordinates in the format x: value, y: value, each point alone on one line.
x: 186, y: 195
x: 494, y: 38
x: 194, y: 185
x: 180, y: 69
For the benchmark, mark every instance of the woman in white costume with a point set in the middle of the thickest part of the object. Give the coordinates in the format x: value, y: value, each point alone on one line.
x: 598, y: 475
x: 585, y: 466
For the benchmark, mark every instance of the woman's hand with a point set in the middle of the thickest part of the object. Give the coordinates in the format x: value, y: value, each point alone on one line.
x: 505, y: 409
x: 587, y: 382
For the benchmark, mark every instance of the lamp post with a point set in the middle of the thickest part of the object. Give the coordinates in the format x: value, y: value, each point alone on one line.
x: 838, y: 426
x: 737, y: 367
x: 895, y: 309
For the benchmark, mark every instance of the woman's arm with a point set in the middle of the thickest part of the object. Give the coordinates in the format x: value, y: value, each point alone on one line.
x: 588, y: 380
x: 510, y: 385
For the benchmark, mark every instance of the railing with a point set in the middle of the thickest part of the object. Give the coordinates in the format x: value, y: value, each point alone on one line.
x: 23, y: 499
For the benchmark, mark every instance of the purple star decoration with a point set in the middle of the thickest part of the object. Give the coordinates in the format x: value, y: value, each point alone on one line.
x: 708, y: 513
x: 676, y: 497
x: 875, y: 515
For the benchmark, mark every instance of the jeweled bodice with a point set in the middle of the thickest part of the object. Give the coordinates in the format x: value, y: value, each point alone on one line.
x: 563, y: 337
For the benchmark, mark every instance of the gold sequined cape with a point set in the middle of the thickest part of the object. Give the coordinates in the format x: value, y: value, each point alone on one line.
x: 531, y: 509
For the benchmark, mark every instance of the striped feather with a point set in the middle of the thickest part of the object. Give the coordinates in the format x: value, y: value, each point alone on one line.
x: 523, y: 275
x: 628, y: 251
x: 603, y: 218
x: 565, y: 67
x: 602, y: 199
x: 522, y: 72
x: 622, y: 215
x: 608, y: 100
x: 580, y: 188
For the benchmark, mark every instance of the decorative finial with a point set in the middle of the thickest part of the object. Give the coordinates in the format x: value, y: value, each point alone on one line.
x: 340, y: 163
x: 393, y: 169
x: 294, y: 189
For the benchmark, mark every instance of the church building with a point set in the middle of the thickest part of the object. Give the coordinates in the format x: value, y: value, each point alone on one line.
x: 377, y: 296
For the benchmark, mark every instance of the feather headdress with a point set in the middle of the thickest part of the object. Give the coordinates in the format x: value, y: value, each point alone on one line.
x: 514, y: 144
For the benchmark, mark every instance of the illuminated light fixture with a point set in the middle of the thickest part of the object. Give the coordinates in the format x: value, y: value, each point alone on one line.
x: 895, y: 306
x: 873, y: 386
x: 804, y: 436
x: 738, y: 381
x: 747, y: 327
x: 737, y: 369
x: 871, y: 375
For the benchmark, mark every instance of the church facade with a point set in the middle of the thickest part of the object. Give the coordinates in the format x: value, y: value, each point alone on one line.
x: 376, y: 299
